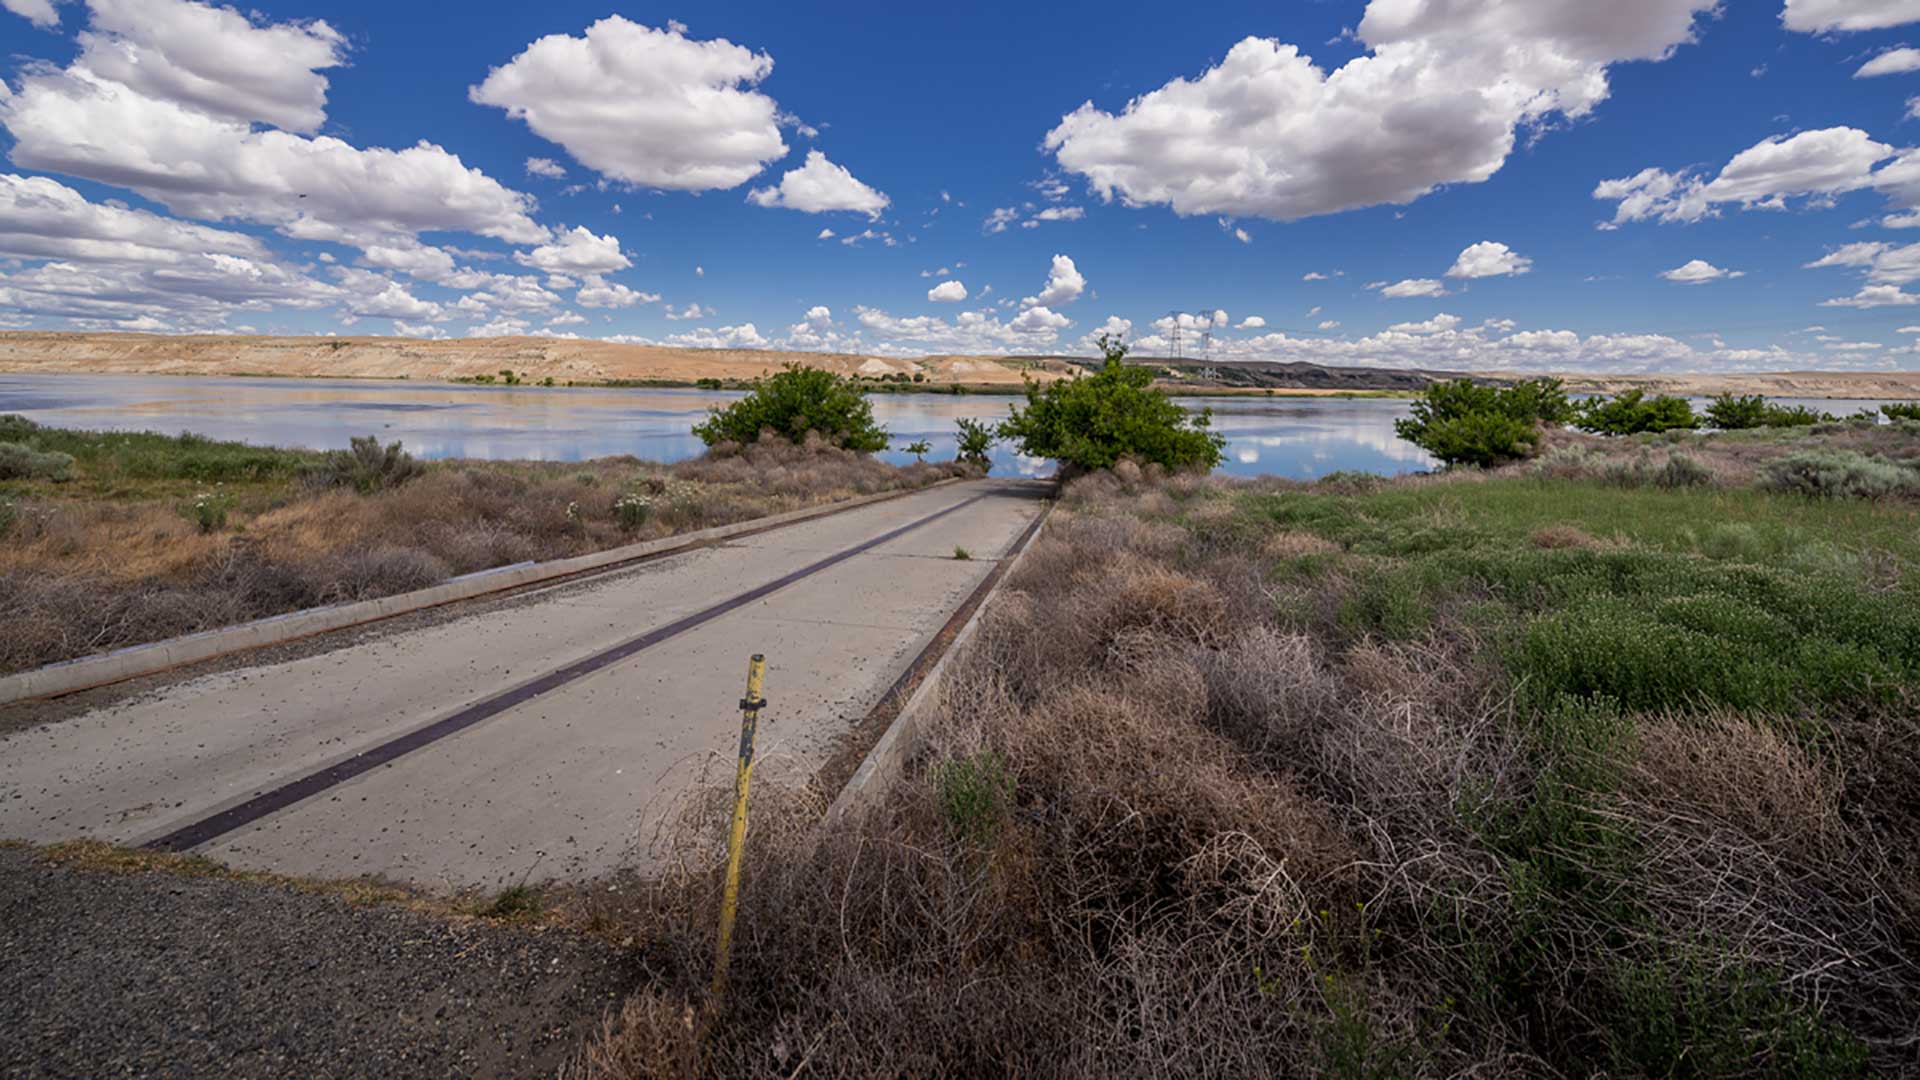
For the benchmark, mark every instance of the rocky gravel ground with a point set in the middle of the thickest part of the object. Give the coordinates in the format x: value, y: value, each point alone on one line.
x: 160, y: 974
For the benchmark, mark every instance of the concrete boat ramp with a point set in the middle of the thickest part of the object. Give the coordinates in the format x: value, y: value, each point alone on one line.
x: 532, y: 739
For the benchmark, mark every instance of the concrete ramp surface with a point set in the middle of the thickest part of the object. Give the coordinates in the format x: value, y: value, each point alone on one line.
x: 532, y: 739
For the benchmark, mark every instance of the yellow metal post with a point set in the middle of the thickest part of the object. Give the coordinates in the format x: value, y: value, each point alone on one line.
x: 750, y: 707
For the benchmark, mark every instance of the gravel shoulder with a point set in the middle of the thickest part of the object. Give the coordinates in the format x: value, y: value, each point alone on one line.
x: 163, y: 974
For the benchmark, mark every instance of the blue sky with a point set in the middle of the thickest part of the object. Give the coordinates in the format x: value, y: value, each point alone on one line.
x: 1530, y: 184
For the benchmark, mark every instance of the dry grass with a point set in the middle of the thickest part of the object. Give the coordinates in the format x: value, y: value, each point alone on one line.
x: 1177, y: 818
x: 84, y: 575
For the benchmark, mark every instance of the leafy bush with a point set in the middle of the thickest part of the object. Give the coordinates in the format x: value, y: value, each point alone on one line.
x: 1632, y: 412
x: 1465, y: 423
x: 918, y: 448
x: 976, y: 438
x: 1094, y: 421
x: 1730, y: 413
x: 366, y: 468
x: 1682, y: 471
x: 1837, y: 474
x: 18, y: 462
x: 1901, y: 410
x: 792, y: 403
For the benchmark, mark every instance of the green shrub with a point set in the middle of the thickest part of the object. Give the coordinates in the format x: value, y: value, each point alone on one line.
x: 20, y: 462
x: 1682, y: 471
x: 976, y: 438
x: 974, y: 792
x: 209, y: 510
x: 1836, y: 474
x: 918, y: 448
x: 1465, y: 423
x: 632, y: 510
x: 1632, y: 412
x: 367, y: 467
x: 794, y: 402
x: 1730, y: 413
x: 1094, y: 421
x: 1909, y: 410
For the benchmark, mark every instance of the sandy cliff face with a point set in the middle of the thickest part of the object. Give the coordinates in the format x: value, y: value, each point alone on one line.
x: 533, y: 358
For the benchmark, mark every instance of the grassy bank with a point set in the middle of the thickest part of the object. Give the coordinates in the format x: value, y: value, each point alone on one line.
x: 1566, y: 769
x: 140, y: 537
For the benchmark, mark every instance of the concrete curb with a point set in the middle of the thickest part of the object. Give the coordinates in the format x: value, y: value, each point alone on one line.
x: 887, y: 761
x: 87, y: 672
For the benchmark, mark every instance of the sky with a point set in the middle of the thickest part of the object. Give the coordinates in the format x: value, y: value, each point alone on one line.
x: 1639, y: 185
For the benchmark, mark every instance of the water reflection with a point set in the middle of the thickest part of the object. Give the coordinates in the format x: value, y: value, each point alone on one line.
x: 1295, y: 437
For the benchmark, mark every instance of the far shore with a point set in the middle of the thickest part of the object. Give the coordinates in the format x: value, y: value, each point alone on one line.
x: 557, y: 362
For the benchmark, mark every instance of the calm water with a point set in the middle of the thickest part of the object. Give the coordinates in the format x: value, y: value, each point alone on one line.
x: 1296, y: 437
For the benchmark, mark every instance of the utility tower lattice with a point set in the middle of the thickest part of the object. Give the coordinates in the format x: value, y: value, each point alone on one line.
x: 1173, y: 335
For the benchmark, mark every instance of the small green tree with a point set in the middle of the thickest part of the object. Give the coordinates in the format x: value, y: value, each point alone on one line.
x: 1095, y: 420
x: 919, y: 448
x: 793, y: 402
x: 1632, y: 412
x: 976, y: 438
x: 1909, y: 410
x: 1463, y: 422
x: 1730, y: 413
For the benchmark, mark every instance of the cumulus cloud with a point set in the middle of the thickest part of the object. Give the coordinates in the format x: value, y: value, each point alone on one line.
x: 744, y: 336
x: 1828, y: 16
x: 1059, y: 213
x: 691, y: 312
x: 648, y: 107
x: 947, y: 292
x: 547, y: 167
x: 1821, y: 163
x: 38, y: 12
x: 1437, y: 324
x: 1251, y: 322
x: 203, y: 165
x: 597, y: 292
x: 41, y: 218
x: 1873, y: 296
x: 1064, y: 285
x: 1441, y: 93
x: 1699, y: 272
x: 1888, y: 267
x: 576, y: 251
x: 968, y: 332
x: 1892, y: 62
x: 819, y: 187
x: 1489, y: 259
x: 214, y: 59
x: 1412, y: 287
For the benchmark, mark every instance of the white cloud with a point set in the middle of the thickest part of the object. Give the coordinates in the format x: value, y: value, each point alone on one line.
x: 819, y: 187
x: 410, y: 257
x: 1489, y: 259
x: 214, y: 168
x: 214, y: 59
x: 419, y: 330
x: 1699, y: 272
x: 547, y: 167
x: 576, y: 251
x: 1441, y: 94
x: 825, y: 234
x: 38, y: 12
x: 1892, y: 62
x: 499, y: 328
x: 567, y: 318
x: 1873, y: 296
x: 1437, y: 324
x: 1826, y: 16
x: 1064, y: 285
x: 1413, y: 287
x: 947, y: 292
x: 690, y: 312
x: 41, y: 218
x: 744, y: 336
x: 371, y: 294
x: 1820, y: 163
x: 1251, y: 322
x: 1039, y: 320
x: 597, y: 292
x: 969, y: 332
x: 1058, y: 213
x: 999, y: 219
x: 643, y: 106
x: 1330, y: 324
x: 1315, y: 275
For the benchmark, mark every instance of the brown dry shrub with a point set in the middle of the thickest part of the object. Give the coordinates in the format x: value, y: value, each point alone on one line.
x: 1289, y: 544
x: 1562, y: 536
